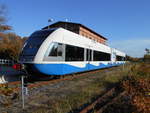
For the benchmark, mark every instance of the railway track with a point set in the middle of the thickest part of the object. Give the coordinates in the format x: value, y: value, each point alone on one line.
x: 102, y: 102
x: 98, y: 105
x: 35, y: 83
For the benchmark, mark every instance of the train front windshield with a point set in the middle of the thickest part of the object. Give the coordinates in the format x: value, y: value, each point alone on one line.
x: 34, y: 42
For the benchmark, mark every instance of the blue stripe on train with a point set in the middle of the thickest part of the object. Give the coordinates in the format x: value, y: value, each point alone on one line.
x: 62, y: 69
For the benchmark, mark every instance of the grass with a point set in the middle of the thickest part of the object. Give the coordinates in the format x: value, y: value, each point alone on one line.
x: 87, y: 93
x: 137, y: 87
x: 5, y: 90
x: 132, y: 77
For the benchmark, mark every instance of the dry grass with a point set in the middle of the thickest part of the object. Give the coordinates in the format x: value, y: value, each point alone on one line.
x: 85, y: 94
x: 138, y: 103
x: 83, y: 90
x: 137, y: 88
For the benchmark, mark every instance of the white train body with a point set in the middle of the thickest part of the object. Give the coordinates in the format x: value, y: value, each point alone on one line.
x: 59, y: 52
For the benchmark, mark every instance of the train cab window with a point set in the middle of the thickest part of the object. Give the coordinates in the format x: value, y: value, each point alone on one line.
x: 56, y: 50
x: 74, y: 53
x: 34, y: 42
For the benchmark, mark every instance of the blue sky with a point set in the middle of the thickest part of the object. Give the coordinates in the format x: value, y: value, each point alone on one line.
x: 126, y: 23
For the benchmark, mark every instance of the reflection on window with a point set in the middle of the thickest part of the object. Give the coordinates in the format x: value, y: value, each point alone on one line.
x: 56, y: 50
x: 74, y: 53
x: 101, y: 56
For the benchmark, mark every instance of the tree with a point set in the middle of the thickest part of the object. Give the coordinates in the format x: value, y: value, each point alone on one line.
x: 10, y: 43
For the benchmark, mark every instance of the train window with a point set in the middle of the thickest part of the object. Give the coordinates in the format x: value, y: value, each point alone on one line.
x: 56, y: 50
x: 101, y: 56
x: 37, y: 38
x: 41, y: 33
x: 35, y: 41
x: 120, y: 58
x: 74, y: 53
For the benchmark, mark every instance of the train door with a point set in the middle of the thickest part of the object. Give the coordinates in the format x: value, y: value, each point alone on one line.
x: 88, y: 57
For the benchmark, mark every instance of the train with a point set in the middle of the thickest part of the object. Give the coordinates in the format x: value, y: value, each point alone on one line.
x: 57, y: 51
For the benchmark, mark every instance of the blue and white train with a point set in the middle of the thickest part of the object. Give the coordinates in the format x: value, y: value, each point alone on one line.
x: 60, y: 52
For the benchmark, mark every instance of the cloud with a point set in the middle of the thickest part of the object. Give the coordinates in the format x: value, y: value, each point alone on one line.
x: 132, y: 47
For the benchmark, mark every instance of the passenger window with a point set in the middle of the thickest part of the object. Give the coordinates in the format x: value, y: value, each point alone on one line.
x: 56, y: 50
x: 74, y: 53
x: 120, y: 58
x: 101, y: 56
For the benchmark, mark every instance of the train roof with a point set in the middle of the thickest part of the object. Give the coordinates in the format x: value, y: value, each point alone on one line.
x: 81, y: 25
x: 79, y: 40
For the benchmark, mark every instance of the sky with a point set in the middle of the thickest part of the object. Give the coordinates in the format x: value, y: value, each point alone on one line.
x: 125, y: 23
